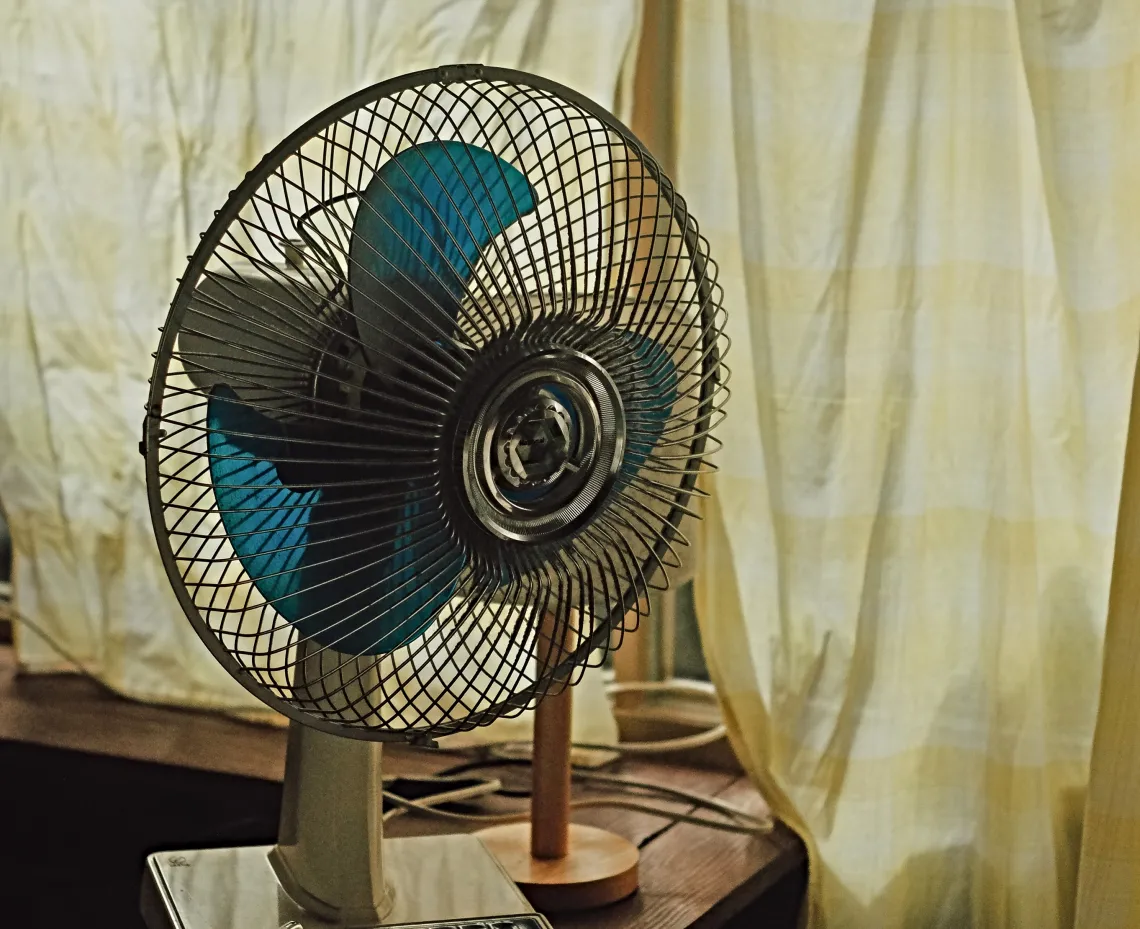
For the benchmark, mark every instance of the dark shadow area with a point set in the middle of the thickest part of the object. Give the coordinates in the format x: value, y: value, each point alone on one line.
x: 76, y: 829
x: 689, y: 656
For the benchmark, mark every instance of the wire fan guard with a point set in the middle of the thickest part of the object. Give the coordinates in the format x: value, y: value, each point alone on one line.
x: 430, y: 404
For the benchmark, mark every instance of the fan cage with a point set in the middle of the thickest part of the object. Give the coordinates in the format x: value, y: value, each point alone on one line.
x: 609, y: 249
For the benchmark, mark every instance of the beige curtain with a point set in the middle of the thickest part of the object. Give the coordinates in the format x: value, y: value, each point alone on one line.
x: 124, y: 125
x: 926, y: 219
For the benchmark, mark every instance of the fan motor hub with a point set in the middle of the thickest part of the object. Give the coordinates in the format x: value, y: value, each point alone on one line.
x: 533, y: 446
x: 543, y: 447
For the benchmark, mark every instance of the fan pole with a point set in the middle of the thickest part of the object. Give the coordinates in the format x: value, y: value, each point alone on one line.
x: 560, y: 866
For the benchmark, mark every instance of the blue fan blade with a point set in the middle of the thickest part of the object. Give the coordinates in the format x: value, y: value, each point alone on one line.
x: 429, y: 212
x: 343, y: 583
x: 423, y: 221
x: 266, y: 521
x: 653, y: 394
x: 373, y: 592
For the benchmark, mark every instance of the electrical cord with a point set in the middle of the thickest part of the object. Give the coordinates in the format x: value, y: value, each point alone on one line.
x: 519, y: 752
x: 17, y: 617
x: 683, y: 743
x: 674, y: 793
x: 520, y: 749
x: 455, y: 795
x: 673, y: 685
x: 577, y: 774
x: 749, y: 824
x: 739, y: 820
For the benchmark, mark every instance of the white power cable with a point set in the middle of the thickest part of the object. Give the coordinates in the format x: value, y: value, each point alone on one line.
x: 748, y: 824
x: 520, y: 749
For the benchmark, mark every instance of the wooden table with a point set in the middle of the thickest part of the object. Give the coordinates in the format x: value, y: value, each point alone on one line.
x: 690, y: 876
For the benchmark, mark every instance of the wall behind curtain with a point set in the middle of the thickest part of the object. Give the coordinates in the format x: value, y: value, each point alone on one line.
x: 124, y: 126
x: 927, y: 219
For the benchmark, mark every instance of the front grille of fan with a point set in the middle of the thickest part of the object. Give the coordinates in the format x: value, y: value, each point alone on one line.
x: 313, y: 399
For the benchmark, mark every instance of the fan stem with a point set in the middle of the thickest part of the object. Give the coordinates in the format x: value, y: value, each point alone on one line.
x: 328, y: 852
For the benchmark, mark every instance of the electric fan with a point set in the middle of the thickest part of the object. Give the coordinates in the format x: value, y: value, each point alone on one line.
x: 428, y: 408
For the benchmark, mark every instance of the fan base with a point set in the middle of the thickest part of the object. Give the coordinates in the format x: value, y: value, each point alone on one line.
x: 441, y: 879
x: 600, y: 868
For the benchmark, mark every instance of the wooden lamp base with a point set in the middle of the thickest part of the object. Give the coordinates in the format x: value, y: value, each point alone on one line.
x: 558, y: 865
x: 598, y: 868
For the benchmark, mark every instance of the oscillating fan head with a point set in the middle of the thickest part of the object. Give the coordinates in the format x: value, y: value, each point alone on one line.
x: 431, y: 402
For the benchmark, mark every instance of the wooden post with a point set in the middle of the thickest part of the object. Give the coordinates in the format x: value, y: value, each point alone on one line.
x: 550, y: 793
x: 558, y: 865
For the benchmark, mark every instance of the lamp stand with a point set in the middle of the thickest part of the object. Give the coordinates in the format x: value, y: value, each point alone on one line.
x: 561, y: 866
